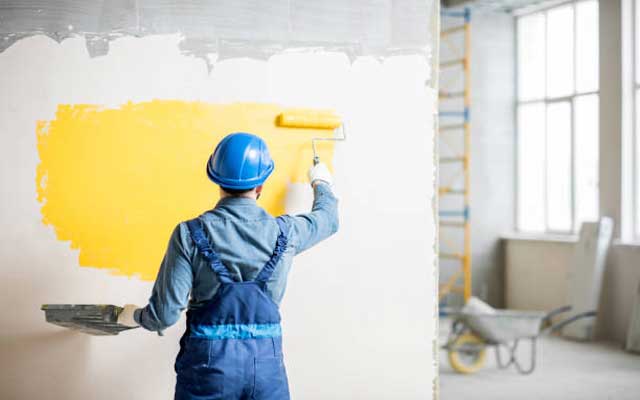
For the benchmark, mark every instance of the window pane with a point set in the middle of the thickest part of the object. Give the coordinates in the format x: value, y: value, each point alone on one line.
x: 559, y: 166
x: 586, y: 158
x: 531, y: 150
x: 587, y: 46
x: 560, y: 51
x: 531, y: 57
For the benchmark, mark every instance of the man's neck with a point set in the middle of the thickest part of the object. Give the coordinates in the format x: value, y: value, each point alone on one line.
x: 253, y: 195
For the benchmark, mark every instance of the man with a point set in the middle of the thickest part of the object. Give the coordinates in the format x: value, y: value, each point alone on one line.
x: 234, y: 261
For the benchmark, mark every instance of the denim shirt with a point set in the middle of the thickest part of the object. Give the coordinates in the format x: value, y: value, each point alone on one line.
x: 244, y: 236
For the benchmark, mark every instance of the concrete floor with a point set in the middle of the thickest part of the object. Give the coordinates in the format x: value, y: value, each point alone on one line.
x: 565, y: 370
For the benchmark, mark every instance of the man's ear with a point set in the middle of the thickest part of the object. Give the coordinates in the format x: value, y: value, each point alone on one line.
x: 259, y: 189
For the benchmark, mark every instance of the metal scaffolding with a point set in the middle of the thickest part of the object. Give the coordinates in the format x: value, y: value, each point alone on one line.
x: 454, y: 123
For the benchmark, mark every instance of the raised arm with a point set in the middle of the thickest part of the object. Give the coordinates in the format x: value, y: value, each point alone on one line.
x: 322, y: 222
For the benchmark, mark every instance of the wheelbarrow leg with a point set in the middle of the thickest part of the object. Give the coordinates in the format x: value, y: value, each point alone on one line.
x: 532, y: 364
x: 511, y: 353
x: 511, y: 347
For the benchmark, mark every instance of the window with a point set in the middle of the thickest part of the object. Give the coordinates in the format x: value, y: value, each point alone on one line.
x: 557, y: 114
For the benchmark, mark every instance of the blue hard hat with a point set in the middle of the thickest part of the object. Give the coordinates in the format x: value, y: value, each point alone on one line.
x: 241, y: 161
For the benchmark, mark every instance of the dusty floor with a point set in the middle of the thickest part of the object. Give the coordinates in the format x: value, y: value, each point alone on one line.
x: 565, y: 370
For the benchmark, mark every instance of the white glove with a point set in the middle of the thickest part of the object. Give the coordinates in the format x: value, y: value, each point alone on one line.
x: 126, y: 315
x: 320, y: 172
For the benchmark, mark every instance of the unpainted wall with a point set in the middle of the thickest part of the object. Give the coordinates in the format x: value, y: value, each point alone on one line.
x: 357, y: 304
x: 492, y: 149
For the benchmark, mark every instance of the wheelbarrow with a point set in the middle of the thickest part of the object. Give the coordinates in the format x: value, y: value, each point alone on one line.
x: 472, y: 332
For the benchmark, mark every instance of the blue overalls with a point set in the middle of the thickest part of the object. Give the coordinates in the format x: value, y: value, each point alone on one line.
x: 232, y: 347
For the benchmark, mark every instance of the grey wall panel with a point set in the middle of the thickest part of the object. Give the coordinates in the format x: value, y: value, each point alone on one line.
x: 253, y: 28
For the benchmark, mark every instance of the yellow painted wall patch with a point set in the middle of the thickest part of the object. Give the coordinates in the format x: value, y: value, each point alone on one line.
x: 115, y: 182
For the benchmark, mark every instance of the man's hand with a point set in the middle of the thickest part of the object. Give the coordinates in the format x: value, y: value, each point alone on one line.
x: 126, y: 315
x: 320, y: 173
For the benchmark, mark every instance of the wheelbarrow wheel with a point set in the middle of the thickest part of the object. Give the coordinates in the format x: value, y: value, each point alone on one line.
x: 467, y: 353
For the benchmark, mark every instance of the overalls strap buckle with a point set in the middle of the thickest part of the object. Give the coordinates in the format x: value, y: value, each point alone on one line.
x: 199, y: 237
x: 281, y: 247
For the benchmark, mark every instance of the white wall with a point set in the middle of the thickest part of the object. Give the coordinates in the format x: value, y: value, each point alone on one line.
x: 492, y: 148
x: 360, y: 308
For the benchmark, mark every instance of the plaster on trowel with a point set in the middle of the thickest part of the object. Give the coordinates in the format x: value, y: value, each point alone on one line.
x: 93, y: 319
x: 313, y: 119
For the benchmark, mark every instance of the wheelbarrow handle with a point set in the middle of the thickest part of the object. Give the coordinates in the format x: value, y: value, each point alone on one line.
x: 562, y: 324
x: 553, y: 313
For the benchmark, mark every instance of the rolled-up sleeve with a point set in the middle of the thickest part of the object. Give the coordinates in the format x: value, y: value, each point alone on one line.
x: 170, y: 295
x: 311, y: 228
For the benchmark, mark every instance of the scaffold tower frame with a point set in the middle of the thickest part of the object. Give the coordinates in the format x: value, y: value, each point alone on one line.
x: 451, y: 122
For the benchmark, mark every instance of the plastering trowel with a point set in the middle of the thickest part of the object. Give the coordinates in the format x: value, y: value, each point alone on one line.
x: 93, y: 319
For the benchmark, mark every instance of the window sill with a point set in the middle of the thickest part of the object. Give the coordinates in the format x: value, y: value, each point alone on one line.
x: 551, y: 238
x: 627, y: 243
x: 540, y: 237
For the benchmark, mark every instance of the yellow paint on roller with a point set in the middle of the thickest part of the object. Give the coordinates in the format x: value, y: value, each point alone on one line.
x: 301, y: 118
x: 115, y: 182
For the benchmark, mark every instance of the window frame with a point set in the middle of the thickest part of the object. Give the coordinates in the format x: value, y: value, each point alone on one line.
x: 632, y: 153
x: 546, y: 100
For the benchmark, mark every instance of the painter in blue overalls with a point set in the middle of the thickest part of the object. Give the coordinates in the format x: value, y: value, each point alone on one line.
x: 228, y: 268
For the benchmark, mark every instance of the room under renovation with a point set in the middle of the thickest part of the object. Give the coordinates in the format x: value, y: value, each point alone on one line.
x: 364, y: 199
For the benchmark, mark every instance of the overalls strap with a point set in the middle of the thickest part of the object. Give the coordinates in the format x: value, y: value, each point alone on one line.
x: 199, y: 237
x: 281, y: 246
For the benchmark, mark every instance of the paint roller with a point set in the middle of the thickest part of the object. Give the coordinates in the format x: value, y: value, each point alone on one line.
x: 313, y: 119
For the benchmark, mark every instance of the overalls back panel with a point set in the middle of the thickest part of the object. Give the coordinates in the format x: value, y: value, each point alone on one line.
x: 232, y: 347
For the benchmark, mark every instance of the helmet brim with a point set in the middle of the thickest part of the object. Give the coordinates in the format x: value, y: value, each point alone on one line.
x: 245, y: 184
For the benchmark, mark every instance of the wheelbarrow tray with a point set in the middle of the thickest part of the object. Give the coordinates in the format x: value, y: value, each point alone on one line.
x: 503, y: 326
x: 501, y: 329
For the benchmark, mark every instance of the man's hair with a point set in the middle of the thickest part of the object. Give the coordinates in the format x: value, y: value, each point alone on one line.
x: 237, y: 192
